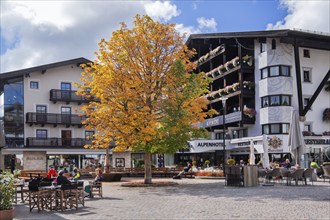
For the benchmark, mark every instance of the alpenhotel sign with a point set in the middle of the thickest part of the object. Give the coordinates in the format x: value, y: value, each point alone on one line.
x: 198, y: 146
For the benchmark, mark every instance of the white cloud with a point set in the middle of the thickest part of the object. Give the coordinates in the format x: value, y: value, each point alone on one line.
x: 208, y: 24
x: 308, y: 15
x: 161, y: 11
x: 37, y: 34
x: 187, y: 30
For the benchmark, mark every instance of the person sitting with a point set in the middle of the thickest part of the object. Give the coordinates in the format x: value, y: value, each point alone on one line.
x: 62, y: 180
x: 51, y: 172
x: 99, y: 173
x: 287, y: 164
x: 76, y: 174
x: 186, y: 169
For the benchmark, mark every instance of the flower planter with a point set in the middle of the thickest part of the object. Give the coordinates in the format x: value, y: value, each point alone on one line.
x: 236, y: 61
x: 7, y: 214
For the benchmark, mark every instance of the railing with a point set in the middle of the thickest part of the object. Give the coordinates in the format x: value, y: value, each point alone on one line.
x: 57, y: 142
x: 14, y: 142
x: 67, y: 96
x: 55, y: 119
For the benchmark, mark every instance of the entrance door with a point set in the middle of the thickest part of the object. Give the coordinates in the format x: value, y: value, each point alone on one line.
x: 66, y: 138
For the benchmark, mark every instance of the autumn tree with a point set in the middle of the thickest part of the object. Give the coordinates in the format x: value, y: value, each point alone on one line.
x: 149, y: 97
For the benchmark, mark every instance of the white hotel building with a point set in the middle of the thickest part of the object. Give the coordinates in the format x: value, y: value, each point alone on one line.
x: 269, y: 73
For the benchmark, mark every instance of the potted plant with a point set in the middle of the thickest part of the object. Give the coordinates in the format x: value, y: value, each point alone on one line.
x: 207, y: 163
x: 7, y: 191
x: 248, y: 60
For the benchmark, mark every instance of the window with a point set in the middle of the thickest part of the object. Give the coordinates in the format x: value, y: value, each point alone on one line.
x: 264, y: 73
x: 285, y: 71
x: 65, y: 91
x: 264, y: 102
x: 308, y: 127
x: 307, y: 75
x: 89, y: 134
x: 66, y: 110
x: 306, y: 101
x: 239, y: 133
x: 41, y: 109
x: 273, y: 44
x: 41, y: 134
x: 34, y: 85
x: 276, y: 100
x: 307, y: 53
x: 285, y: 100
x: 277, y: 128
x: 274, y: 71
x: 262, y: 47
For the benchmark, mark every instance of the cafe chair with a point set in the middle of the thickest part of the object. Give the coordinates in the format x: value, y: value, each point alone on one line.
x: 37, y: 197
x: 69, y: 196
x: 95, y: 188
x: 326, y: 173
x: 274, y: 174
x: 284, y: 174
x: 296, y: 175
x: 308, y: 173
x: 81, y: 193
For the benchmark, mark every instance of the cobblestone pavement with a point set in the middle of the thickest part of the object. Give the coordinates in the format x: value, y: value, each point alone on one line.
x: 198, y: 199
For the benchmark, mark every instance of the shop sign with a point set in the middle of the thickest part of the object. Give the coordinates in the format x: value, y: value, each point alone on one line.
x: 317, y: 141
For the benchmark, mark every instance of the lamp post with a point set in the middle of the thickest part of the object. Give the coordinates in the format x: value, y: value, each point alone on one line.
x: 224, y: 99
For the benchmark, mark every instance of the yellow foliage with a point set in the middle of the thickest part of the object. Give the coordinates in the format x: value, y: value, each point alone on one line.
x: 136, y: 80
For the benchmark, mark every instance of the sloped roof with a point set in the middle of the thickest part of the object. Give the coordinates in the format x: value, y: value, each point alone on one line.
x: 22, y: 72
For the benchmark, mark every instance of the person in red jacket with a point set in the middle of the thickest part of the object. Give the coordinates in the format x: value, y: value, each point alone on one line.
x: 51, y: 172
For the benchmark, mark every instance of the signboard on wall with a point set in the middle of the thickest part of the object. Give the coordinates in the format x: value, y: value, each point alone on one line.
x: 199, y: 146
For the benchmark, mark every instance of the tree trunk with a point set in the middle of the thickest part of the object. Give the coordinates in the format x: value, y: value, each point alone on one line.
x: 107, y: 161
x: 147, y: 168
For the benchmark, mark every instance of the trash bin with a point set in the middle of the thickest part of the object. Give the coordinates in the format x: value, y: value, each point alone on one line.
x: 250, y: 175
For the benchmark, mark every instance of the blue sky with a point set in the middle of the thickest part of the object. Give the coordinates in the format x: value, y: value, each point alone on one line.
x: 34, y: 33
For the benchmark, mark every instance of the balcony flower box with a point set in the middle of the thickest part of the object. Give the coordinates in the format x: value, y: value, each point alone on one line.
x: 248, y: 85
x: 222, y: 69
x: 236, y: 86
x: 248, y: 60
x: 229, y: 65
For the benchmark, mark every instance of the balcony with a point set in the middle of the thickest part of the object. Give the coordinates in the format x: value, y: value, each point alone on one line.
x: 56, y: 142
x: 54, y: 119
x: 229, y: 118
x: 67, y: 96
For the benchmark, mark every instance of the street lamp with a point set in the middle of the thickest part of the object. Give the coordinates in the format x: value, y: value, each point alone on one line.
x: 224, y: 99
